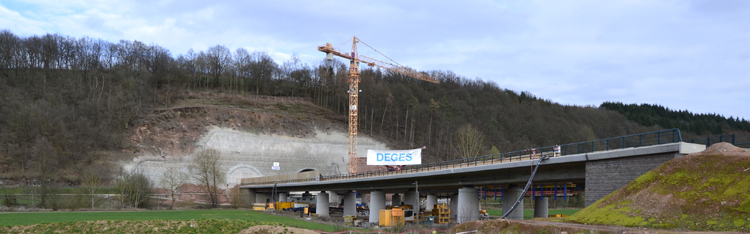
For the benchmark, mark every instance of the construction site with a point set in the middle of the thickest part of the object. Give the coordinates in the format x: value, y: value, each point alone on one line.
x: 374, y: 117
x: 288, y: 155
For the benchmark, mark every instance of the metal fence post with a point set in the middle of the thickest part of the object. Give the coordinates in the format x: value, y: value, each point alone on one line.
x: 607, y: 144
x: 658, y: 138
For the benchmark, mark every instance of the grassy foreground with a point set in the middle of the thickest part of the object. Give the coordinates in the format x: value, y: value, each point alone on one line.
x: 529, y: 214
x: 241, y: 216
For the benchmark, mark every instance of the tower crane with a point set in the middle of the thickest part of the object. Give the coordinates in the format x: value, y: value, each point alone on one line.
x: 354, y: 59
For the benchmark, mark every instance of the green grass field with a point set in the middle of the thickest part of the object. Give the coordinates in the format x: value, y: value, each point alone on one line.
x: 529, y: 214
x: 15, y: 218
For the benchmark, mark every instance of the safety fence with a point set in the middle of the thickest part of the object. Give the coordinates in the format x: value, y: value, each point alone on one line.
x: 623, y: 142
x: 741, y: 141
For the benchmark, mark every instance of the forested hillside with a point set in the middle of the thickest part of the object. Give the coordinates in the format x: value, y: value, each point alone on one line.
x: 67, y: 102
x: 650, y: 115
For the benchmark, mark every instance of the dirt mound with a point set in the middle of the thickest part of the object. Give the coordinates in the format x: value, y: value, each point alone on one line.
x: 708, y: 190
x: 722, y: 149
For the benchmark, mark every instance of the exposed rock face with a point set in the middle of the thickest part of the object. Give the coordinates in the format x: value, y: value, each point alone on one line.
x: 246, y: 155
x: 250, y: 132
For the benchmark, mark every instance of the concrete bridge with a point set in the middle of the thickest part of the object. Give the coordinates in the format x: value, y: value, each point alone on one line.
x: 598, y: 172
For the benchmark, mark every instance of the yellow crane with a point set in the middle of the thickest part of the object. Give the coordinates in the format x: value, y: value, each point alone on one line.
x: 354, y: 60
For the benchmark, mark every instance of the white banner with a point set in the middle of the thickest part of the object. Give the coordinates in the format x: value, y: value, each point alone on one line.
x: 394, y: 157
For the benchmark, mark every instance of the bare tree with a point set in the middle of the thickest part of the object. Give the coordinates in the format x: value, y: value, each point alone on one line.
x: 468, y: 142
x: 208, y: 172
x: 93, y: 181
x: 46, y: 159
x: 173, y: 179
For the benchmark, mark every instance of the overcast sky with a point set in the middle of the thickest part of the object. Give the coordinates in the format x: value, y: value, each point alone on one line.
x: 692, y: 55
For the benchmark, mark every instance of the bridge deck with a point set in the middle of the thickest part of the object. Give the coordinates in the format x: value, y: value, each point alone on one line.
x: 569, y: 168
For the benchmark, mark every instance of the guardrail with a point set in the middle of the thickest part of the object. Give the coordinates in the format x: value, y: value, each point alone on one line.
x: 730, y: 138
x: 629, y: 141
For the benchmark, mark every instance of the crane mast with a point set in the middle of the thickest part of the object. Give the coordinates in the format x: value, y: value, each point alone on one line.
x: 354, y: 79
x: 353, y: 102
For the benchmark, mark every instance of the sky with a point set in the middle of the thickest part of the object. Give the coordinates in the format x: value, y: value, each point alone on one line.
x: 685, y: 55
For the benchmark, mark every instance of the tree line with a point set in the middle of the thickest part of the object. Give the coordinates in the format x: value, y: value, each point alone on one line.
x: 654, y: 114
x: 67, y: 101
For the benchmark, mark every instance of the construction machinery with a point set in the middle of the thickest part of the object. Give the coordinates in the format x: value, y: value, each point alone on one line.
x: 354, y: 59
x: 408, y: 212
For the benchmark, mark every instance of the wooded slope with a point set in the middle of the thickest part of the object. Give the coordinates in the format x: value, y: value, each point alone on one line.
x: 66, y: 100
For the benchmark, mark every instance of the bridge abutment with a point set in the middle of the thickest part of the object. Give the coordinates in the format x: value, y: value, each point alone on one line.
x: 262, y: 197
x: 247, y: 196
x: 605, y: 176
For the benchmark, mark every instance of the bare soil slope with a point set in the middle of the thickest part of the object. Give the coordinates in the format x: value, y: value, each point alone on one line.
x: 175, y: 130
x: 252, y: 133
x: 708, y: 190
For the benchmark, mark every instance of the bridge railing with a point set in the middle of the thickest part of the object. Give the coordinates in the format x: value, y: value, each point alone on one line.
x: 622, y: 142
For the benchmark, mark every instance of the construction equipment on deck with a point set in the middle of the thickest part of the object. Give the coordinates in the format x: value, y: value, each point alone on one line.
x: 355, y: 58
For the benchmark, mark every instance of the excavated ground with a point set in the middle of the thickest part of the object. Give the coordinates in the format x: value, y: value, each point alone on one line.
x: 250, y: 132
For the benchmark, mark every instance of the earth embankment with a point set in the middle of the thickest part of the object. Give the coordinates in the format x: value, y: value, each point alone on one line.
x: 708, y: 190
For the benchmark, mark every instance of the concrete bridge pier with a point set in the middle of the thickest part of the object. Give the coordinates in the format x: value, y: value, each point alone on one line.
x: 512, y: 193
x: 334, y: 198
x: 468, y: 204
x: 454, y: 206
x: 410, y: 198
x: 321, y: 206
x: 377, y: 203
x: 283, y: 197
x: 307, y: 194
x: 350, y: 204
x: 396, y: 199
x: 541, y: 207
x: 430, y: 202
